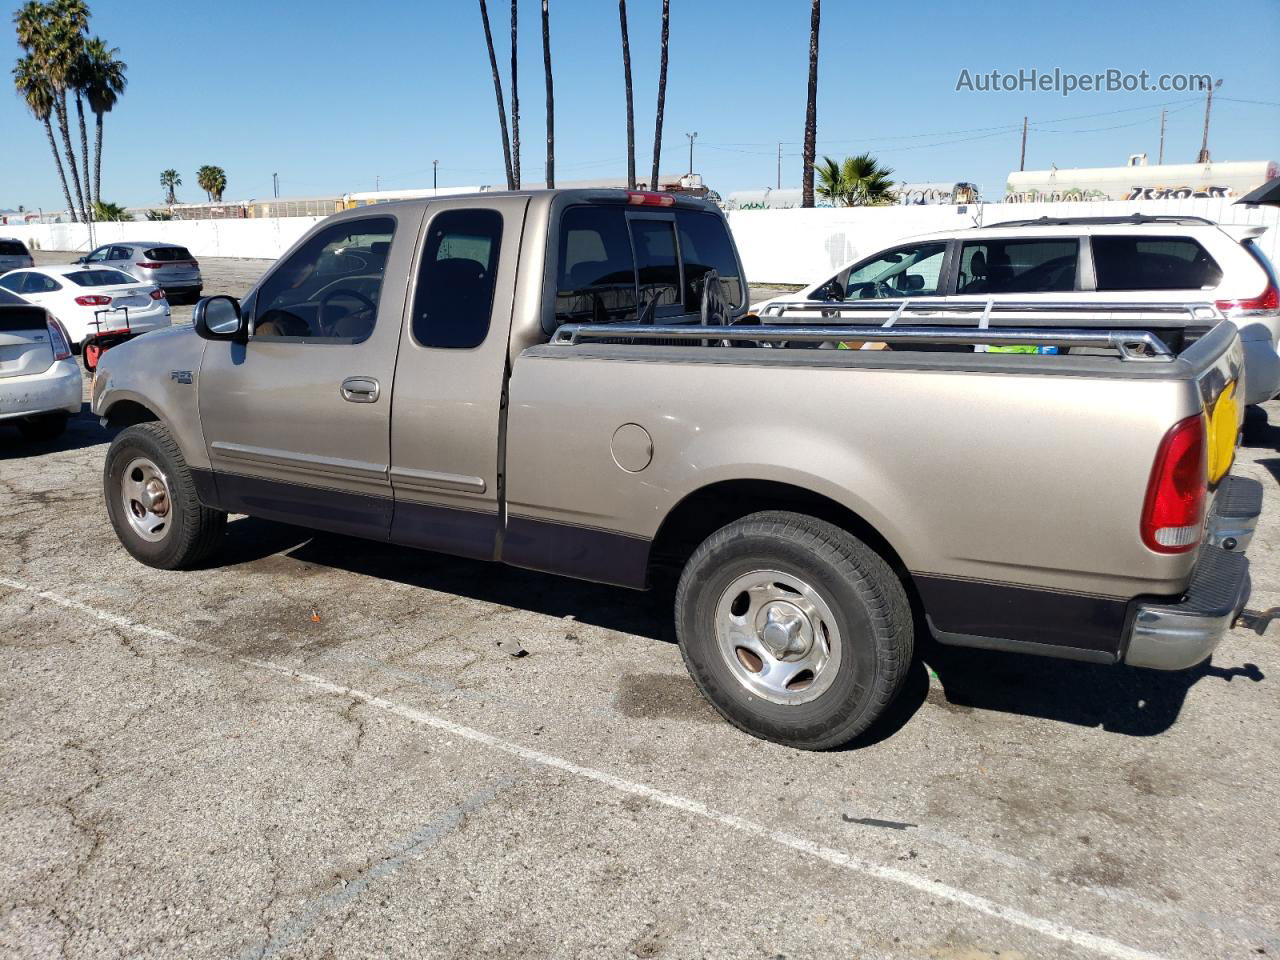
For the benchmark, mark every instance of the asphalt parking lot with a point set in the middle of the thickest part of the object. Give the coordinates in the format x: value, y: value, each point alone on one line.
x: 315, y: 747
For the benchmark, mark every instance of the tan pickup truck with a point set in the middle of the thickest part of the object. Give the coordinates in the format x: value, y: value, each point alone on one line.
x: 568, y: 381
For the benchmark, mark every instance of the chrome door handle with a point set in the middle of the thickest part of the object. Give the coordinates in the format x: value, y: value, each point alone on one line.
x: 360, y: 389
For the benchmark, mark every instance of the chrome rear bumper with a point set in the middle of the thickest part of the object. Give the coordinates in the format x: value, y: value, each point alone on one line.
x: 1174, y: 636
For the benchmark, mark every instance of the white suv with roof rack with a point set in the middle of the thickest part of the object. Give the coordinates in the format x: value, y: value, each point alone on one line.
x: 1124, y: 263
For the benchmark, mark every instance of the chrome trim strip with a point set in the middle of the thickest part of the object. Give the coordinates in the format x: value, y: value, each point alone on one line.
x: 305, y: 462
x: 435, y: 480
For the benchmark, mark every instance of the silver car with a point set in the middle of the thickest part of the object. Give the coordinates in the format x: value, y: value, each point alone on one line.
x: 14, y: 255
x: 167, y: 265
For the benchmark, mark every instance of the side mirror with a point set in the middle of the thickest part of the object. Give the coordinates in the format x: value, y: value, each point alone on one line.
x: 83, y: 260
x: 218, y: 318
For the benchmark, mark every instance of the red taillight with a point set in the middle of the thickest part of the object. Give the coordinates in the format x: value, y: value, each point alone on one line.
x: 195, y: 264
x: 148, y: 265
x: 93, y: 300
x: 157, y: 294
x: 1268, y: 300
x: 1174, y: 508
x: 640, y: 199
x: 58, y: 339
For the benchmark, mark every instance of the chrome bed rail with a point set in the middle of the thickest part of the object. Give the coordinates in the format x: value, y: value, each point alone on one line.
x: 1131, y: 345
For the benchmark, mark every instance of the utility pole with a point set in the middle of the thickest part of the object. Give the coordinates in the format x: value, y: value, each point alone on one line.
x: 779, y: 165
x: 1022, y: 161
x: 275, y: 185
x: 1208, y: 106
x: 377, y: 183
x: 692, y: 137
x: 1160, y: 156
x: 434, y: 164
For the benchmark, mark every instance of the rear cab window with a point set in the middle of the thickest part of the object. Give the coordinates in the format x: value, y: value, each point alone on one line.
x: 1134, y: 262
x: 612, y: 263
x: 1018, y: 265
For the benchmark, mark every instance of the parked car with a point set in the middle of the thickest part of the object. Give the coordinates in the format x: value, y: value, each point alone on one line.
x: 97, y: 306
x: 167, y: 265
x: 14, y: 255
x: 1092, y: 260
x: 40, y: 384
x: 492, y: 395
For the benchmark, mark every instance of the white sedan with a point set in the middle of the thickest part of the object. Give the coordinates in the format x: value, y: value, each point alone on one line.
x: 91, y: 301
x: 39, y: 378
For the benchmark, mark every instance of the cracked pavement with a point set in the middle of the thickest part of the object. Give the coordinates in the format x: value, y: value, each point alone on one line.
x: 193, y: 766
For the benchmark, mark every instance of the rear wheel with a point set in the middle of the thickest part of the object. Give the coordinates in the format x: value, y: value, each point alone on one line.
x: 151, y: 499
x: 794, y: 629
x: 48, y: 426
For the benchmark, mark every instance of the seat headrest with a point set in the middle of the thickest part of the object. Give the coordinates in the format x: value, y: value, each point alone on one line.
x: 978, y: 264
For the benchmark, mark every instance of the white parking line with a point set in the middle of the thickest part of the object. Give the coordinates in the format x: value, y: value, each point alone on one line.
x: 838, y: 858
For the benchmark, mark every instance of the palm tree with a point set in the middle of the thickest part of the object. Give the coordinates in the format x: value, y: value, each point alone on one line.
x: 551, y: 100
x: 52, y: 34
x: 811, y: 108
x: 35, y: 90
x: 170, y: 180
x: 110, y: 212
x: 68, y: 22
x: 626, y: 73
x: 662, y: 92
x: 515, y: 107
x: 497, y: 90
x: 105, y: 76
x: 856, y: 182
x: 212, y: 180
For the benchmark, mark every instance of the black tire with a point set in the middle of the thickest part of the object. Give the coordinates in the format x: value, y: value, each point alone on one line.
x: 865, y: 598
x: 47, y: 426
x: 192, y: 532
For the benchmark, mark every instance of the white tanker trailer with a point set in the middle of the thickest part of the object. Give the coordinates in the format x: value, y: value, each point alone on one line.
x: 1138, y: 180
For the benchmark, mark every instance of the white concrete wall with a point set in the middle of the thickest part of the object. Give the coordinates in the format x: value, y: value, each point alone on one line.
x: 804, y: 246
x: 268, y: 237
x: 777, y: 246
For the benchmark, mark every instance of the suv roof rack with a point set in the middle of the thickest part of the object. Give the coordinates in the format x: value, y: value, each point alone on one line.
x: 1134, y: 219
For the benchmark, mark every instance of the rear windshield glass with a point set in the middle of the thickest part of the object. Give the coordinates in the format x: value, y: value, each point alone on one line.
x: 705, y: 245
x: 12, y: 248
x: 1153, y: 263
x: 597, y: 278
x: 100, y: 278
x: 168, y: 254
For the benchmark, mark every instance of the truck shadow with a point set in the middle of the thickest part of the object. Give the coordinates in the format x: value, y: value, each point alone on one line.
x: 1117, y: 699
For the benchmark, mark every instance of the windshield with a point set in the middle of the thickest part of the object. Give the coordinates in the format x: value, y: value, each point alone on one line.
x: 100, y: 278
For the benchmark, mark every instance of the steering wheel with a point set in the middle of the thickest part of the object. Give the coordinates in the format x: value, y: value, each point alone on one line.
x: 369, y: 306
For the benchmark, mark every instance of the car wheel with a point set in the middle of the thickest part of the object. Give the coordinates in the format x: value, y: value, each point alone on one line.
x: 48, y: 426
x: 794, y: 629
x: 151, y: 499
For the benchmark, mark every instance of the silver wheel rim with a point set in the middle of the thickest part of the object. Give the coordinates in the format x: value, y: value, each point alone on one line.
x: 148, y: 503
x: 778, y: 637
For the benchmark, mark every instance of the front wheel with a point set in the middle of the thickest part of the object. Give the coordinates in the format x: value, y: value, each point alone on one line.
x: 795, y: 630
x: 151, y: 499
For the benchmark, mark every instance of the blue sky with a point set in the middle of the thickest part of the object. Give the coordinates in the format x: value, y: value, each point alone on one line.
x: 342, y: 94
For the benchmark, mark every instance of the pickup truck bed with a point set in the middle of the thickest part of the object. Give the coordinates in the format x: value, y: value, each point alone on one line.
x: 497, y: 399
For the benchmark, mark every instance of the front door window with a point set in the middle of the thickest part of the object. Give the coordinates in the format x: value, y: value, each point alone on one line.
x: 914, y: 271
